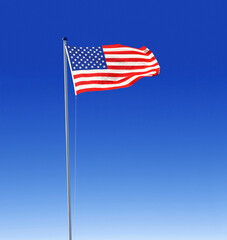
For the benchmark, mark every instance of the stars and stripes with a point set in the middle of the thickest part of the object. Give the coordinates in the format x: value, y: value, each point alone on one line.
x: 109, y: 67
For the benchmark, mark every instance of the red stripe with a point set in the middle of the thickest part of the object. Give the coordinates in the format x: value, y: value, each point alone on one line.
x: 128, y: 52
x: 122, y: 46
x: 113, y: 46
x: 109, y: 74
x: 131, y: 67
x: 129, y: 60
x: 101, y: 82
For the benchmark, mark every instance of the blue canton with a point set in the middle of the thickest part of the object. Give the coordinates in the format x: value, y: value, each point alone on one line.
x: 86, y: 58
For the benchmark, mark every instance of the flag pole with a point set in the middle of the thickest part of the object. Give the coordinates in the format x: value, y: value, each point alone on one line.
x: 74, y: 233
x: 67, y: 138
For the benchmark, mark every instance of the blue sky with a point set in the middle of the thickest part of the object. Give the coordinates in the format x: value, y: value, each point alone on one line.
x: 151, y: 159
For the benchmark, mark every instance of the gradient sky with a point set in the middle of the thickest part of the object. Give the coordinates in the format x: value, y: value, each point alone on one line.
x: 151, y: 158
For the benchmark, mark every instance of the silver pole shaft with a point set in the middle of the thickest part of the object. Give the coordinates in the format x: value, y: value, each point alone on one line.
x: 67, y: 138
x: 75, y: 169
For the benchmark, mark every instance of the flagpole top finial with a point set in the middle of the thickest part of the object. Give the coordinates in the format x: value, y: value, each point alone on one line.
x: 64, y: 38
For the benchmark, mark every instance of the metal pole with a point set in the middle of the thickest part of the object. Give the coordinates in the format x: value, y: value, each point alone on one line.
x: 67, y: 138
x: 75, y: 169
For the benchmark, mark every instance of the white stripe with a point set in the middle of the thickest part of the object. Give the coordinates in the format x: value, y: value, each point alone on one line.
x: 124, y: 49
x: 129, y: 56
x: 131, y: 63
x: 112, y: 85
x: 112, y: 71
x: 87, y: 79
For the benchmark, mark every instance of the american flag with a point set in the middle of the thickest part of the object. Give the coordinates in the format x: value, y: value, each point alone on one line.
x: 109, y: 67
